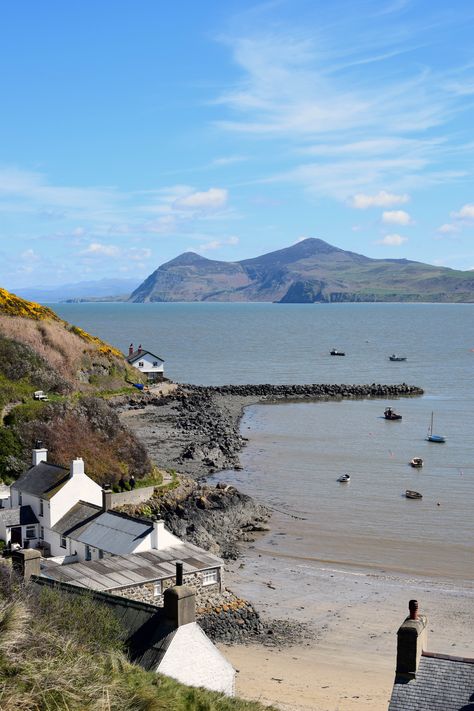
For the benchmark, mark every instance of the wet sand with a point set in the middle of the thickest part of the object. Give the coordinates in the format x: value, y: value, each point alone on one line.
x: 349, y: 663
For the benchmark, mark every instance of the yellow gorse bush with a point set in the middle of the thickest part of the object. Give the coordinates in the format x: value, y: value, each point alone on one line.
x: 13, y: 305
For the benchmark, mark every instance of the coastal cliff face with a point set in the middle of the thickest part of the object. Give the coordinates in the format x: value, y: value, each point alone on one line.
x: 311, y: 271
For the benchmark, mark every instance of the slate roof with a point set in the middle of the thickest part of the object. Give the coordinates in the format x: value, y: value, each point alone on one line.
x: 139, y: 354
x: 442, y: 683
x: 18, y: 516
x: 76, y: 518
x: 148, y: 633
x: 113, y: 532
x: 118, y: 571
x: 42, y: 480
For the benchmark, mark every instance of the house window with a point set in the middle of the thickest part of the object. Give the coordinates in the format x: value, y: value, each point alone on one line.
x: 155, y: 364
x: 101, y: 553
x: 31, y: 531
x: 63, y: 542
x: 88, y: 553
x: 157, y: 589
x: 210, y: 577
x: 141, y: 364
x: 41, y: 532
x: 20, y: 499
x: 41, y: 507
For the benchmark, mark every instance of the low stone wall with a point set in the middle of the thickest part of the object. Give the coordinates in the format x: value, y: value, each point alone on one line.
x: 145, y: 592
x: 231, y: 620
x: 135, y: 496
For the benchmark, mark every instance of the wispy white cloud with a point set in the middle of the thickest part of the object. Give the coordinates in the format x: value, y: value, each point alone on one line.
x: 465, y: 213
x: 394, y: 240
x: 96, y: 249
x: 448, y: 228
x: 396, y: 217
x: 228, y: 160
x: 367, y: 134
x: 380, y: 199
x: 211, y: 199
x: 218, y: 244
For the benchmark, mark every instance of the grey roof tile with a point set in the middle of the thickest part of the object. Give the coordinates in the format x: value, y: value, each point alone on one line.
x: 442, y: 683
x: 42, y: 480
x: 18, y: 516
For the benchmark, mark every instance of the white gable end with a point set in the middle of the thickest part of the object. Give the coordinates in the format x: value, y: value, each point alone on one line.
x: 193, y: 659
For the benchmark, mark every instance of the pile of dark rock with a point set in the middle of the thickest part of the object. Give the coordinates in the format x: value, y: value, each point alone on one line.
x: 316, y: 391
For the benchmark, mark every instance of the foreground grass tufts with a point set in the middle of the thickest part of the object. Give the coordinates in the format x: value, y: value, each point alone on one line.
x: 66, y: 653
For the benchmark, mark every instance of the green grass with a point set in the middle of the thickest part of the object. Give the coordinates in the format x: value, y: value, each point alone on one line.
x: 66, y: 653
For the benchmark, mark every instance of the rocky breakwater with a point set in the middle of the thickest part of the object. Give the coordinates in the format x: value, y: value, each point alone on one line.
x: 195, y: 429
x: 316, y: 391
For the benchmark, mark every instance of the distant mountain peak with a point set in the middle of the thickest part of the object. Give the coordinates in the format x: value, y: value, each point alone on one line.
x: 309, y: 271
x: 186, y: 259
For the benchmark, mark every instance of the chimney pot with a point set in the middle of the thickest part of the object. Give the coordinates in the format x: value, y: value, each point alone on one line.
x: 179, y: 573
x: 413, y: 607
x: 130, y: 349
x: 140, y: 348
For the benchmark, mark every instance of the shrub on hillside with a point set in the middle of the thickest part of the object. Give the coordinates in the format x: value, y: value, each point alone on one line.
x: 88, y: 428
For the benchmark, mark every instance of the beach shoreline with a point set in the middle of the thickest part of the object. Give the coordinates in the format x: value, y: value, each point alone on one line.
x: 348, y: 661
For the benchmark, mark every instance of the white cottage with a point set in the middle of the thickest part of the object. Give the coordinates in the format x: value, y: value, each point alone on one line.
x: 41, y: 497
x: 147, y: 363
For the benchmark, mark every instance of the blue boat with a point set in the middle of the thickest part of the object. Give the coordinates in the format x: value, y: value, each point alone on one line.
x: 434, y: 437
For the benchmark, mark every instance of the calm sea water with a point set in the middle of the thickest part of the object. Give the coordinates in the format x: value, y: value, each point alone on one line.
x: 296, y: 451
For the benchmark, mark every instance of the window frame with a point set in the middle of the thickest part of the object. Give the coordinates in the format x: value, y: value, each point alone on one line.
x: 28, y: 529
x: 63, y: 542
x: 210, y: 577
x: 157, y: 589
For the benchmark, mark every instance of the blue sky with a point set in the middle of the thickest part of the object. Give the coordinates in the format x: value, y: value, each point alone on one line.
x: 134, y: 131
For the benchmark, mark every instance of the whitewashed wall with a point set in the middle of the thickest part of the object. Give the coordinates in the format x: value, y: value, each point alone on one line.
x: 193, y: 659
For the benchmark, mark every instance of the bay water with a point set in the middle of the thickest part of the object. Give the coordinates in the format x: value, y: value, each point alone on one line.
x: 296, y: 451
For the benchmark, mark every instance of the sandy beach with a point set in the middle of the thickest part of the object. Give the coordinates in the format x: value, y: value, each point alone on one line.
x: 347, y: 661
x: 348, y: 664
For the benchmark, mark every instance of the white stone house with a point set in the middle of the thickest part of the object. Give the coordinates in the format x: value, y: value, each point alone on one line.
x: 41, y: 497
x: 68, y: 517
x: 147, y: 363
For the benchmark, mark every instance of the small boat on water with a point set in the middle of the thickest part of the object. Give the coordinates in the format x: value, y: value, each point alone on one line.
x: 413, y: 494
x: 397, y: 358
x: 344, y: 478
x: 416, y: 462
x: 336, y: 352
x: 390, y: 414
x: 434, y: 437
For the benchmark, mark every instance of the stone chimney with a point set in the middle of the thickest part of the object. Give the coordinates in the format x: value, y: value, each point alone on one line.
x: 130, y: 350
x: 77, y: 467
x: 411, y: 641
x: 39, y: 453
x: 106, y: 498
x: 26, y: 563
x: 157, y: 534
x: 180, y: 603
x: 139, y: 348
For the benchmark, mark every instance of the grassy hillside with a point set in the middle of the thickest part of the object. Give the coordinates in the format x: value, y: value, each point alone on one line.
x: 58, y: 653
x: 40, y: 351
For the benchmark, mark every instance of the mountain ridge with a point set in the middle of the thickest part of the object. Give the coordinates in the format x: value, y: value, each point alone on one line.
x: 310, y: 271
